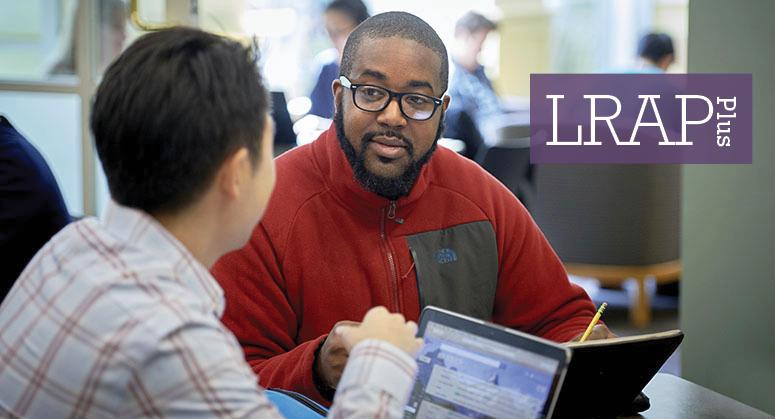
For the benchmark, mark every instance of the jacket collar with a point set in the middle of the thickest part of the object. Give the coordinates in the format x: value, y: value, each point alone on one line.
x: 340, y: 176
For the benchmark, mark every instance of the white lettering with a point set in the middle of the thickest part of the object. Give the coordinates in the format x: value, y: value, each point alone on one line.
x: 685, y: 122
x: 658, y: 123
x: 593, y: 118
x: 555, y: 141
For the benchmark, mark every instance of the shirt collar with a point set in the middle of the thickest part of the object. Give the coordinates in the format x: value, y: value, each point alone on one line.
x: 138, y: 229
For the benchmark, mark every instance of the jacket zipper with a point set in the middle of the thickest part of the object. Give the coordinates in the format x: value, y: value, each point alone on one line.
x: 391, y: 215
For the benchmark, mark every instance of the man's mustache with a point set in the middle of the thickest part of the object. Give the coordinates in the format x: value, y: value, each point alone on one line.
x: 368, y: 137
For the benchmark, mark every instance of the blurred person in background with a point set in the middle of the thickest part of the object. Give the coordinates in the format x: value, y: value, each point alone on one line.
x: 31, y: 205
x: 341, y: 17
x: 472, y: 94
x: 656, y: 52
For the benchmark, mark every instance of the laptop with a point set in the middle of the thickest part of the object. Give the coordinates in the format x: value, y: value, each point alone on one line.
x: 469, y: 368
x: 284, y: 137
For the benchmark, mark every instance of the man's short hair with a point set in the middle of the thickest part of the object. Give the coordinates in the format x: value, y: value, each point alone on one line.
x: 473, y: 22
x: 655, y: 46
x: 400, y: 25
x: 353, y: 8
x: 170, y: 110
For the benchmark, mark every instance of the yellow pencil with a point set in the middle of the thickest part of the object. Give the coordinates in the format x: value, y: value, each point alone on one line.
x: 593, y: 322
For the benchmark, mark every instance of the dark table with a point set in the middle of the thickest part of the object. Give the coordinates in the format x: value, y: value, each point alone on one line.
x: 674, y: 397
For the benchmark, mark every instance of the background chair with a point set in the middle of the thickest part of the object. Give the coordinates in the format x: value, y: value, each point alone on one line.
x: 613, y: 222
x: 508, y: 159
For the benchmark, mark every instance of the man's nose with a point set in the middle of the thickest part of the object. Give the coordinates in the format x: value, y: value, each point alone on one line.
x: 392, y: 116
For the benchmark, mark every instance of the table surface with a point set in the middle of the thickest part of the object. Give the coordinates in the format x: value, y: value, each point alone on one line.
x: 674, y: 397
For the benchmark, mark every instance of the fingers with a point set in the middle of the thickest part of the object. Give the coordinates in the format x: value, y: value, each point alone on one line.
x: 343, y: 330
x: 346, y: 323
x: 348, y: 335
x: 412, y: 326
x: 376, y: 312
x: 604, y: 332
x: 418, y: 343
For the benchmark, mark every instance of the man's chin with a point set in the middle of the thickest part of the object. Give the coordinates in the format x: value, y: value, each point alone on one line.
x: 385, y: 170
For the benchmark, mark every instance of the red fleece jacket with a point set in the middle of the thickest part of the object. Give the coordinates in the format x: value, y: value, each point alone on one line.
x: 328, y: 250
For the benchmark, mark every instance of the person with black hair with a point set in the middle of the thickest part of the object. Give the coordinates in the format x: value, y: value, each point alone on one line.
x: 373, y: 212
x: 119, y: 317
x: 656, y: 51
x: 341, y: 17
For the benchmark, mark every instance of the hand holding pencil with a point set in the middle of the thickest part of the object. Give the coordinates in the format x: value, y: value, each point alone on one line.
x: 596, y: 331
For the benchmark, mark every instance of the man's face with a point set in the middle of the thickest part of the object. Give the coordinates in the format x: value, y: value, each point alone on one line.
x: 476, y: 40
x: 387, y: 144
x: 246, y: 188
x: 260, y: 181
x: 339, y: 25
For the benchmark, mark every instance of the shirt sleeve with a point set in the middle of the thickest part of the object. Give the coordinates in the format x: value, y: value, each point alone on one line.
x: 375, y: 383
x: 198, y: 370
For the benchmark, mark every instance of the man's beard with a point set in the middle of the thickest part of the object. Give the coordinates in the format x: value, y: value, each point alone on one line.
x: 391, y: 188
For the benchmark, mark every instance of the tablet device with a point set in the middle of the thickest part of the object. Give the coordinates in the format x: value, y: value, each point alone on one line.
x: 606, y: 376
x: 469, y: 368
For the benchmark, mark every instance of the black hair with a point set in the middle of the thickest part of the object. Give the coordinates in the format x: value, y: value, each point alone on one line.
x: 170, y: 110
x: 353, y: 8
x: 473, y: 22
x: 396, y: 24
x: 655, y: 46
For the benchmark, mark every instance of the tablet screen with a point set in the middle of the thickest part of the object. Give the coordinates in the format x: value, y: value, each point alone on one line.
x: 464, y: 375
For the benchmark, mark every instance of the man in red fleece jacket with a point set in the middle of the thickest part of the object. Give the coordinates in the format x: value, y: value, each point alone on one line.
x: 372, y: 213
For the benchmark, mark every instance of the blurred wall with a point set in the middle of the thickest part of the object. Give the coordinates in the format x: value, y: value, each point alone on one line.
x: 525, y: 46
x: 526, y: 39
x: 728, y: 287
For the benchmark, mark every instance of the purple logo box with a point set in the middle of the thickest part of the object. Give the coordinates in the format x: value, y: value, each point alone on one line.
x: 641, y: 118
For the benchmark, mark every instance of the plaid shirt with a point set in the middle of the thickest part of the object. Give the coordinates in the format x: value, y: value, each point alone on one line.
x: 117, y: 319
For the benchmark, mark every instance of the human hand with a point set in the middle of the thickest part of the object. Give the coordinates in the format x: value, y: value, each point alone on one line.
x: 380, y: 324
x: 600, y: 331
x: 333, y: 355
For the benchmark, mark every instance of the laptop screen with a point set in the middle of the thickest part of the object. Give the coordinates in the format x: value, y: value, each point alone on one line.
x: 463, y: 375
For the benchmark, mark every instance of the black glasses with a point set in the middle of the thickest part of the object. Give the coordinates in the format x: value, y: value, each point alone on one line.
x: 370, y: 98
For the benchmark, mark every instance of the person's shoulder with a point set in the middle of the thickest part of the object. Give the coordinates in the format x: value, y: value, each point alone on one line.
x: 17, y: 152
x: 115, y: 284
x: 298, y: 176
x: 453, y: 171
x: 326, y: 58
x: 299, y: 179
x: 22, y: 165
x: 123, y: 271
x: 467, y: 180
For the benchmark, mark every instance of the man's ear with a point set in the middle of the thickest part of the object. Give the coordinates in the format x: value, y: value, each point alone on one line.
x: 232, y: 173
x: 336, y: 88
x: 446, y: 99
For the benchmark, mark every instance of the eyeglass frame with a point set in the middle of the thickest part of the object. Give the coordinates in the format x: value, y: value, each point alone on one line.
x: 346, y: 83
